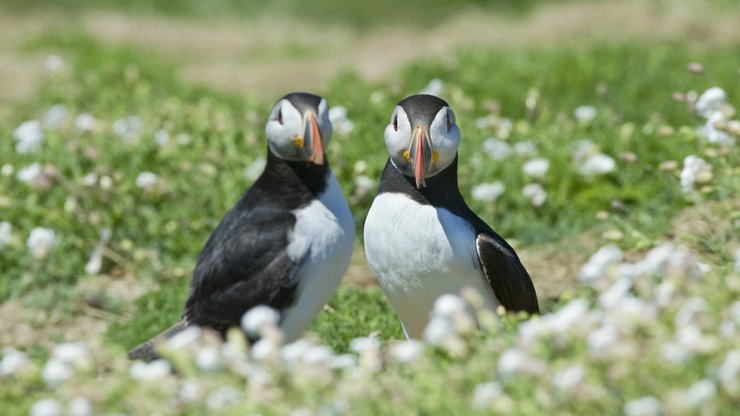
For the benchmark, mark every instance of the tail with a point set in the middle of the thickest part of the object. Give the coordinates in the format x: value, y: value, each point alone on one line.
x: 146, y: 351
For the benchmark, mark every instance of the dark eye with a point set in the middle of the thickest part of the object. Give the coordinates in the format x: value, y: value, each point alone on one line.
x: 450, y: 119
x: 449, y: 122
x: 280, y: 116
x: 395, y: 122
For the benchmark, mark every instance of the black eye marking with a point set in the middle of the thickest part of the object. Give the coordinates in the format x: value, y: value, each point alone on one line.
x: 395, y: 122
x: 280, y: 116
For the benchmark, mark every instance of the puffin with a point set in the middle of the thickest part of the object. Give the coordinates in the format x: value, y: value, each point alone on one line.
x: 422, y: 240
x: 286, y: 243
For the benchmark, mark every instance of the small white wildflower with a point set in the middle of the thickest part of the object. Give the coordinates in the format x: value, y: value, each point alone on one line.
x: 162, y: 137
x: 674, y: 352
x: 318, y: 355
x: 90, y: 179
x: 75, y: 353
x: 255, y: 169
x: 183, y: 139
x: 644, y: 406
x: 147, y: 180
x: 151, y: 371
x: 41, y: 241
x: 222, y: 398
x: 80, y: 406
x: 695, y: 172
x: 106, y: 182
x: 536, y: 168
x: 569, y: 378
x: 585, y: 113
x: 54, y: 64
x: 535, y: 193
x: 30, y: 173
x: 12, y: 361
x: 6, y: 233
x: 407, y: 351
x: 512, y: 361
x: 700, y: 393
x: 339, y: 120
x: 7, y: 169
x: 728, y: 372
x: 485, y: 394
x: 438, y: 330
x: 208, y: 359
x: 618, y: 291
x: 711, y: 101
x: 28, y: 136
x: 343, y: 361
x: 497, y: 149
x: 46, y: 407
x: 95, y: 262
x: 85, y: 122
x: 525, y: 148
x: 128, y: 128
x: 54, y: 116
x: 363, y: 345
x: 294, y: 352
x: 435, y: 87
x: 712, y: 134
x: 364, y: 184
x: 258, y: 318
x: 264, y: 349
x: 597, y: 164
x: 568, y: 315
x: 488, y: 192
x: 448, y: 305
x: 735, y: 311
x: 599, y: 263
x: 55, y: 371
x: 184, y: 338
x: 737, y: 259
x: 601, y: 339
x: 691, y: 308
x: 190, y: 391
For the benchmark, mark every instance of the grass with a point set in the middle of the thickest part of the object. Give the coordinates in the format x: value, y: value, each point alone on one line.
x: 157, y: 232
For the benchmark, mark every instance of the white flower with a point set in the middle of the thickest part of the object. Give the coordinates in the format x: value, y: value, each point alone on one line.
x: 618, y: 291
x: 106, y: 182
x: 147, y: 180
x: 7, y: 169
x: 597, y: 164
x: 406, y: 351
x: 568, y: 315
x: 55, y: 371
x: 485, y: 394
x: 600, y: 340
x: 569, y: 378
x: 79, y: 406
x: 339, y: 120
x: 257, y: 319
x: 363, y: 345
x: 255, y: 169
x: 497, y: 149
x: 90, y: 179
x: 488, y: 192
x: 183, y: 139
x: 729, y: 371
x: 599, y: 263
x: 54, y: 64
x: 12, y: 361
x: 184, y: 338
x: 190, y: 390
x: 162, y: 137
x: 437, y: 330
x: 535, y: 193
x: 711, y: 101
x: 448, y: 305
x: 30, y: 173
x: 151, y: 371
x: 585, y: 113
x: 207, y: 358
x: 95, y: 262
x: 712, y: 134
x: 264, y: 349
x: 435, y: 87
x: 536, y: 168
x: 222, y: 398
x: 690, y: 309
x: 128, y: 128
x: 28, y: 136
x: 512, y: 361
x: 46, y: 407
x: 363, y: 184
x: 294, y: 352
x: 6, y: 233
x: 41, y: 241
x: 318, y: 355
x: 525, y: 148
x: 737, y: 259
x: 644, y: 406
x: 343, y: 361
x: 85, y: 122
x: 75, y: 353
x: 700, y: 393
x: 54, y: 116
x: 695, y: 172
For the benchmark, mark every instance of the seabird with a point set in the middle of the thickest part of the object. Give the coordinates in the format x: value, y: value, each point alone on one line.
x: 421, y: 238
x: 286, y: 243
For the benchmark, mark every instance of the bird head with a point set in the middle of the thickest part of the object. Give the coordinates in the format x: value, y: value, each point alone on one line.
x: 422, y: 137
x: 299, y: 128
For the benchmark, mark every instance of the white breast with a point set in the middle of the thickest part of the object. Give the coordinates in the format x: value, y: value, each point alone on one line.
x: 322, y: 237
x: 418, y: 253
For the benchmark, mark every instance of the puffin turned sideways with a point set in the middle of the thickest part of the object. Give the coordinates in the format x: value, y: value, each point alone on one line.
x: 421, y: 239
x: 286, y: 243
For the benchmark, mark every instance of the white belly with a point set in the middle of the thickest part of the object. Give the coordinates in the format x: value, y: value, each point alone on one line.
x: 323, y: 238
x: 418, y: 253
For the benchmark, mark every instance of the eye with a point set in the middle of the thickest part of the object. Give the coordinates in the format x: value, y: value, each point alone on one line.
x: 450, y: 119
x: 395, y: 122
x: 280, y: 116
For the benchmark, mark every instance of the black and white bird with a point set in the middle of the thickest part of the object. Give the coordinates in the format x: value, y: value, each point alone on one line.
x: 286, y: 243
x: 421, y: 239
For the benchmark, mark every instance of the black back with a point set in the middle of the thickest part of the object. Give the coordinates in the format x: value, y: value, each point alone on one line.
x: 500, y: 264
x: 245, y: 261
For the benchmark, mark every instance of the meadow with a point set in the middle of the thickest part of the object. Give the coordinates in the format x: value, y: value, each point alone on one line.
x: 611, y: 166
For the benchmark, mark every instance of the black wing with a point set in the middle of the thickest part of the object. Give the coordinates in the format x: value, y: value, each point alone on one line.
x: 245, y: 263
x: 506, y: 274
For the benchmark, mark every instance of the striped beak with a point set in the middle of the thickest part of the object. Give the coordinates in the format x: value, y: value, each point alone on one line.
x: 420, y: 153
x: 312, y: 139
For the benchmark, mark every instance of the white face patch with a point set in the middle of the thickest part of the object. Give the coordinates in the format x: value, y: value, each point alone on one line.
x: 286, y: 127
x: 443, y: 132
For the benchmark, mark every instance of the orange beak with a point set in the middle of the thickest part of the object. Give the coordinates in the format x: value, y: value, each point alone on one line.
x: 313, y: 139
x: 420, y: 151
